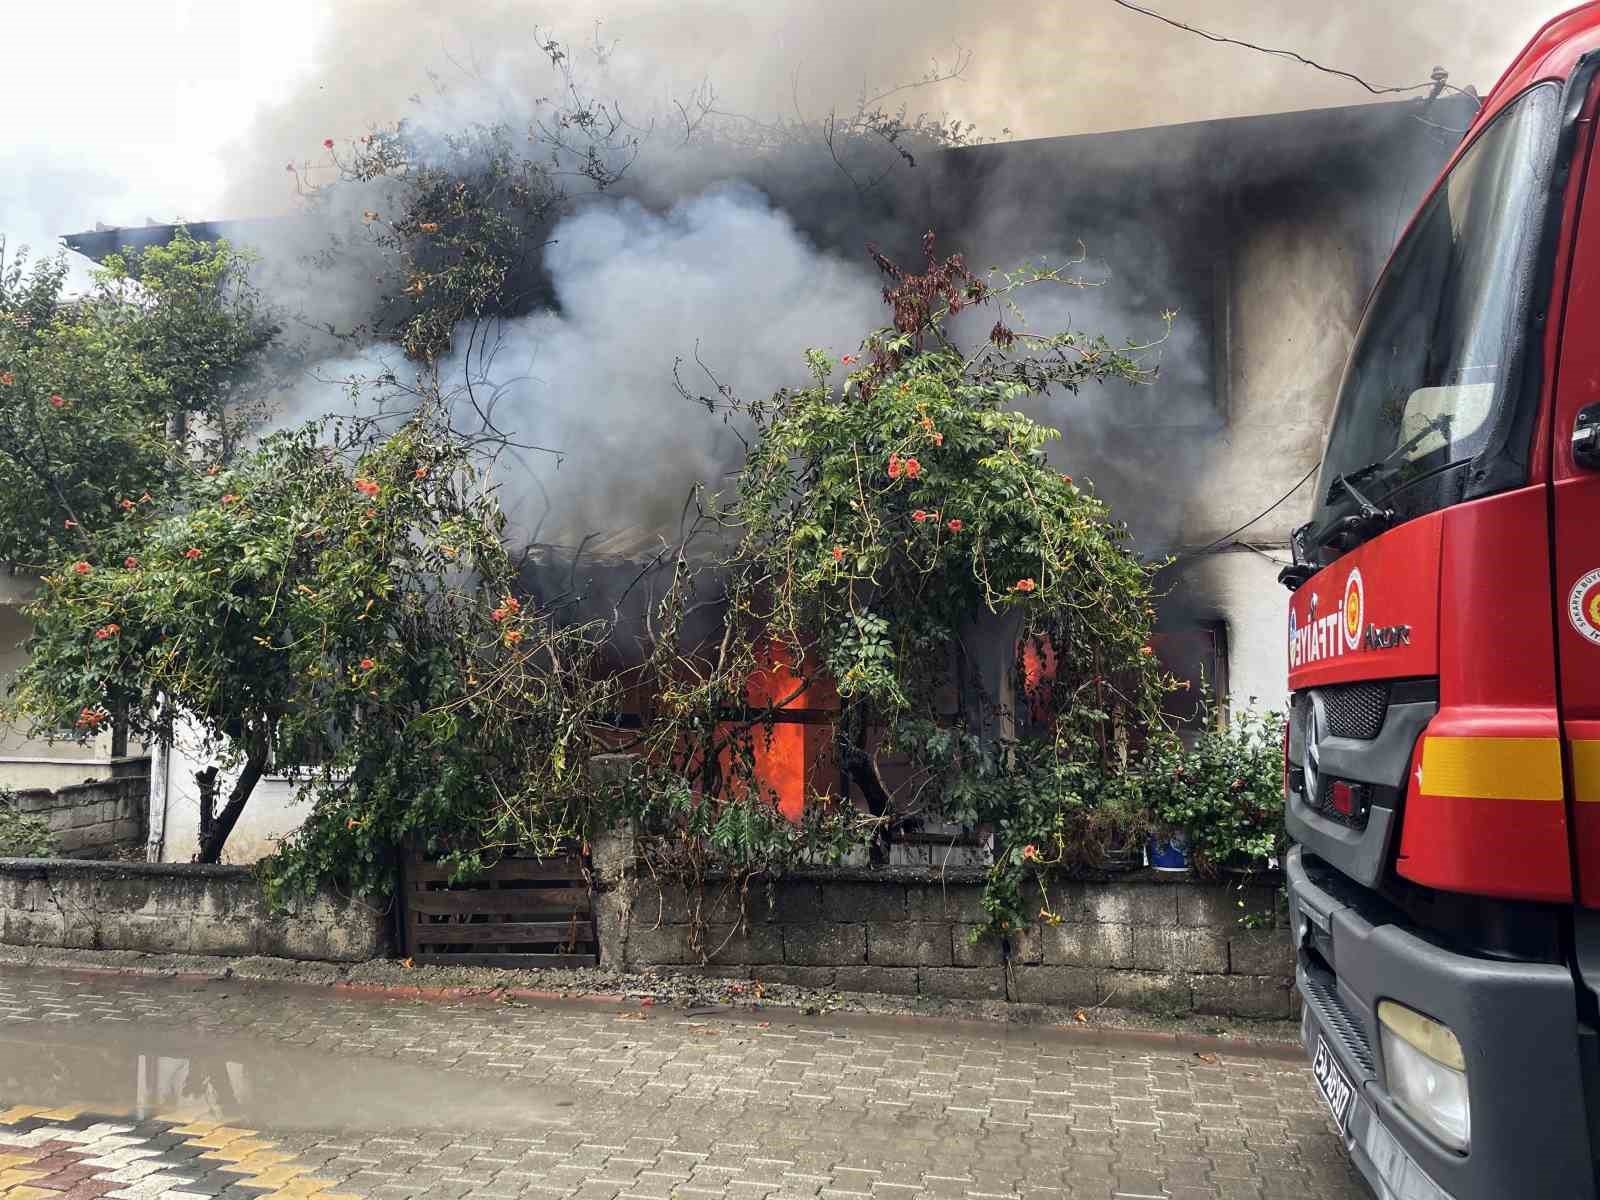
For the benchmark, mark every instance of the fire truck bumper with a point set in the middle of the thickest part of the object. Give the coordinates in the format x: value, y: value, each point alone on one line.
x: 1516, y: 1024
x: 1388, y: 1169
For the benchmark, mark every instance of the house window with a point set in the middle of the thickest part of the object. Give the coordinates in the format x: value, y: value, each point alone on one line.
x: 304, y: 752
x: 793, y: 752
x: 1197, y: 655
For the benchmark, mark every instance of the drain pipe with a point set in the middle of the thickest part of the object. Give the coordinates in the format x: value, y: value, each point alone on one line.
x: 160, y: 775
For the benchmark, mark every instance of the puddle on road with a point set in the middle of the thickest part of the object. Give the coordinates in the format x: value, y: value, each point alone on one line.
x: 134, y: 1068
x: 131, y: 1052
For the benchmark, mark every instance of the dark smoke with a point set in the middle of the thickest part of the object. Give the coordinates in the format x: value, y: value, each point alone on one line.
x: 1038, y: 70
x: 746, y: 258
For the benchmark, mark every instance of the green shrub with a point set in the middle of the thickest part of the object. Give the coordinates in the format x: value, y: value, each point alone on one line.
x: 891, y: 523
x: 22, y: 836
x: 1225, y: 792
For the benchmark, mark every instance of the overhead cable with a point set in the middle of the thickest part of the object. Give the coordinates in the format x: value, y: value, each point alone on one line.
x: 1227, y: 538
x: 1436, y: 83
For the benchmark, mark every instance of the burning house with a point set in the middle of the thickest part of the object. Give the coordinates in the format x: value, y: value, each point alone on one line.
x: 1264, y: 235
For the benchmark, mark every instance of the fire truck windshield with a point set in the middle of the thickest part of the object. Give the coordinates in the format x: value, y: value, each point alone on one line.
x: 1429, y: 373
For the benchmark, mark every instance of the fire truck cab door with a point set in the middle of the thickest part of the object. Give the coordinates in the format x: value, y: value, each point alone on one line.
x: 1575, y: 476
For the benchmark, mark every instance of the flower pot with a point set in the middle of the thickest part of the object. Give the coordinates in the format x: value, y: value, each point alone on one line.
x: 1169, y: 853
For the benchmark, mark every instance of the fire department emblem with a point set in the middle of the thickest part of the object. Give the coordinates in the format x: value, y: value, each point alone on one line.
x: 1583, y: 606
x: 1355, y: 606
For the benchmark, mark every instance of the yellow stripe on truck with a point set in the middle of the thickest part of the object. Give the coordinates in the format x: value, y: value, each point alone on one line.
x: 1492, y: 768
x: 1586, y: 771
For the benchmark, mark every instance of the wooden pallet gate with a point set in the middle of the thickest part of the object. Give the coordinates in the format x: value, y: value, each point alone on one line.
x: 522, y: 912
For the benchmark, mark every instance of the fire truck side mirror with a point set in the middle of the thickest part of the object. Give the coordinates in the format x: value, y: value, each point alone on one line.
x: 1586, y: 438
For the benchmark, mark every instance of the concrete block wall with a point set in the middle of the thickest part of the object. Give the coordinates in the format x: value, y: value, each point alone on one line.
x: 98, y: 819
x: 171, y: 908
x: 1144, y: 941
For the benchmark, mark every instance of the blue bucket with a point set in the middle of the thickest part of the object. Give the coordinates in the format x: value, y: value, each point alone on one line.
x: 1169, y: 854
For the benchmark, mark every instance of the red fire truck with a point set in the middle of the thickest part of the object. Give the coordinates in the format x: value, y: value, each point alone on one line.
x: 1443, y: 752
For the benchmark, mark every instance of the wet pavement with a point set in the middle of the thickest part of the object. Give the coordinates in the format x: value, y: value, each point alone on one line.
x: 138, y: 1089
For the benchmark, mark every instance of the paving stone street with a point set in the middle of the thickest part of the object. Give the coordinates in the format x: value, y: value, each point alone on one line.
x: 138, y: 1089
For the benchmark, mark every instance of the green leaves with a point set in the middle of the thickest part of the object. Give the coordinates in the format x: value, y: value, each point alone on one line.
x: 862, y: 660
x: 341, y: 597
x: 90, y: 391
x: 1225, y: 792
x: 890, y: 526
x: 22, y: 836
x: 929, y: 502
x: 462, y: 220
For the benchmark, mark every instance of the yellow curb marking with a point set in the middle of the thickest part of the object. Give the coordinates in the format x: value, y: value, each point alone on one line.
x: 198, y: 1128
x: 302, y: 1189
x: 185, y: 1114
x: 237, y: 1151
x: 259, y: 1161
x: 222, y: 1136
x: 274, y: 1177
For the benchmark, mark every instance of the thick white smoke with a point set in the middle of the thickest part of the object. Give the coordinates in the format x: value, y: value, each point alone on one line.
x: 722, y: 275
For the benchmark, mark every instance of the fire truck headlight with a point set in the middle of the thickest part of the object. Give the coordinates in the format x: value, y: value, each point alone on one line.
x: 1427, y: 1073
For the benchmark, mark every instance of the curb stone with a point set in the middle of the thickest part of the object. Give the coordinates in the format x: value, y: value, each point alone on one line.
x: 735, y: 999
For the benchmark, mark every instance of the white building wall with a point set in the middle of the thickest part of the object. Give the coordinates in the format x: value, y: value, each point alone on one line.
x: 1239, y: 588
x: 1296, y: 288
x: 1296, y: 293
x: 271, y: 813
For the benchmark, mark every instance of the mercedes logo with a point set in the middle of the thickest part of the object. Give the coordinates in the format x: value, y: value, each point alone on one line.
x: 1314, y: 723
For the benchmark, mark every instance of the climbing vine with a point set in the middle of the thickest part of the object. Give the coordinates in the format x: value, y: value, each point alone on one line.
x: 899, y: 532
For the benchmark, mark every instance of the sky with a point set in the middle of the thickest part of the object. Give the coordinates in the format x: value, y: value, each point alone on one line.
x: 164, y: 109
x: 129, y: 107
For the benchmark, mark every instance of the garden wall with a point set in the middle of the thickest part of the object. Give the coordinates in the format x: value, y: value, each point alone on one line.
x: 103, y: 818
x: 164, y: 908
x: 1145, y: 940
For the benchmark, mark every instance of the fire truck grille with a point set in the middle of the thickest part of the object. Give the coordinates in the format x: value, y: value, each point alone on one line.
x: 1356, y: 710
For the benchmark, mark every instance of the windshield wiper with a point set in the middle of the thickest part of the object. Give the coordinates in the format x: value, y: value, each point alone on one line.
x: 1340, y: 482
x: 1367, y: 521
x: 1438, y: 424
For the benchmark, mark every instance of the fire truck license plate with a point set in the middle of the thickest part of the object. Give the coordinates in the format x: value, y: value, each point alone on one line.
x: 1331, y: 1082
